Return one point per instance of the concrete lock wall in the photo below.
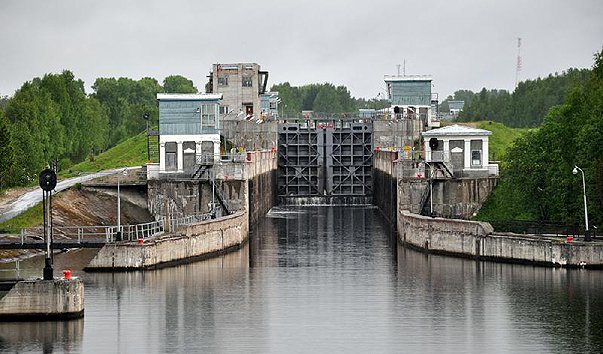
(460, 198)
(44, 299)
(188, 242)
(478, 240)
(452, 198)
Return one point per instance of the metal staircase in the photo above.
(219, 194)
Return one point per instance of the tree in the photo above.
(538, 173)
(178, 84)
(527, 106)
(36, 130)
(125, 101)
(6, 151)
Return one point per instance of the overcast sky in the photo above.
(462, 44)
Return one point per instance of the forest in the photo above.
(537, 181)
(51, 120)
(322, 98)
(525, 107)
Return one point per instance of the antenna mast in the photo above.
(518, 67)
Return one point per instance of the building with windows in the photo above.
(241, 85)
(455, 107)
(463, 150)
(269, 105)
(189, 131)
(411, 98)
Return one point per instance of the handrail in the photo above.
(107, 234)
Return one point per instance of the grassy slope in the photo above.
(501, 139)
(131, 152)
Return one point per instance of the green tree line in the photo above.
(323, 98)
(537, 181)
(51, 120)
(526, 107)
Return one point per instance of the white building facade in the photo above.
(462, 148)
(189, 131)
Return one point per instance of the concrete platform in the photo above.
(43, 300)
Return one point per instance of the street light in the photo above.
(586, 232)
(146, 117)
(118, 235)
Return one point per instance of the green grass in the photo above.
(31, 217)
(501, 139)
(131, 152)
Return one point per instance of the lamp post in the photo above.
(586, 231)
(146, 117)
(118, 235)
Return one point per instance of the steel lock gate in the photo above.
(331, 162)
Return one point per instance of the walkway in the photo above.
(34, 197)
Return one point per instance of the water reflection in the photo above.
(327, 279)
(41, 337)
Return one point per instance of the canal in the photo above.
(322, 280)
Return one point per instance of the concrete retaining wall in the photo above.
(451, 198)
(477, 240)
(191, 242)
(43, 300)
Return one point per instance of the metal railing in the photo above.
(100, 234)
(16, 270)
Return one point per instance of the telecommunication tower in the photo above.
(518, 67)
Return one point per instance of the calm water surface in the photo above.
(322, 280)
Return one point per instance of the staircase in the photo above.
(444, 167)
(219, 194)
(201, 172)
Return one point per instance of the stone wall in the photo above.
(451, 198)
(262, 195)
(251, 184)
(43, 300)
(187, 243)
(460, 197)
(477, 240)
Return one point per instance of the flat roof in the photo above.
(457, 130)
(189, 96)
(407, 78)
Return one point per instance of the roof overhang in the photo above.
(189, 96)
(456, 130)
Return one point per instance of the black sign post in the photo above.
(48, 180)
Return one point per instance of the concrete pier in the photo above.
(189, 243)
(478, 240)
(43, 300)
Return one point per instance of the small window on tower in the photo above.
(222, 80)
(247, 82)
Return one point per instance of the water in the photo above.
(322, 280)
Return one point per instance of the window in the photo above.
(273, 105)
(171, 157)
(476, 158)
(224, 110)
(222, 80)
(208, 115)
(247, 82)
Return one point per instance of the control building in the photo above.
(411, 98)
(241, 86)
(189, 131)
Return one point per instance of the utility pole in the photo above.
(518, 66)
